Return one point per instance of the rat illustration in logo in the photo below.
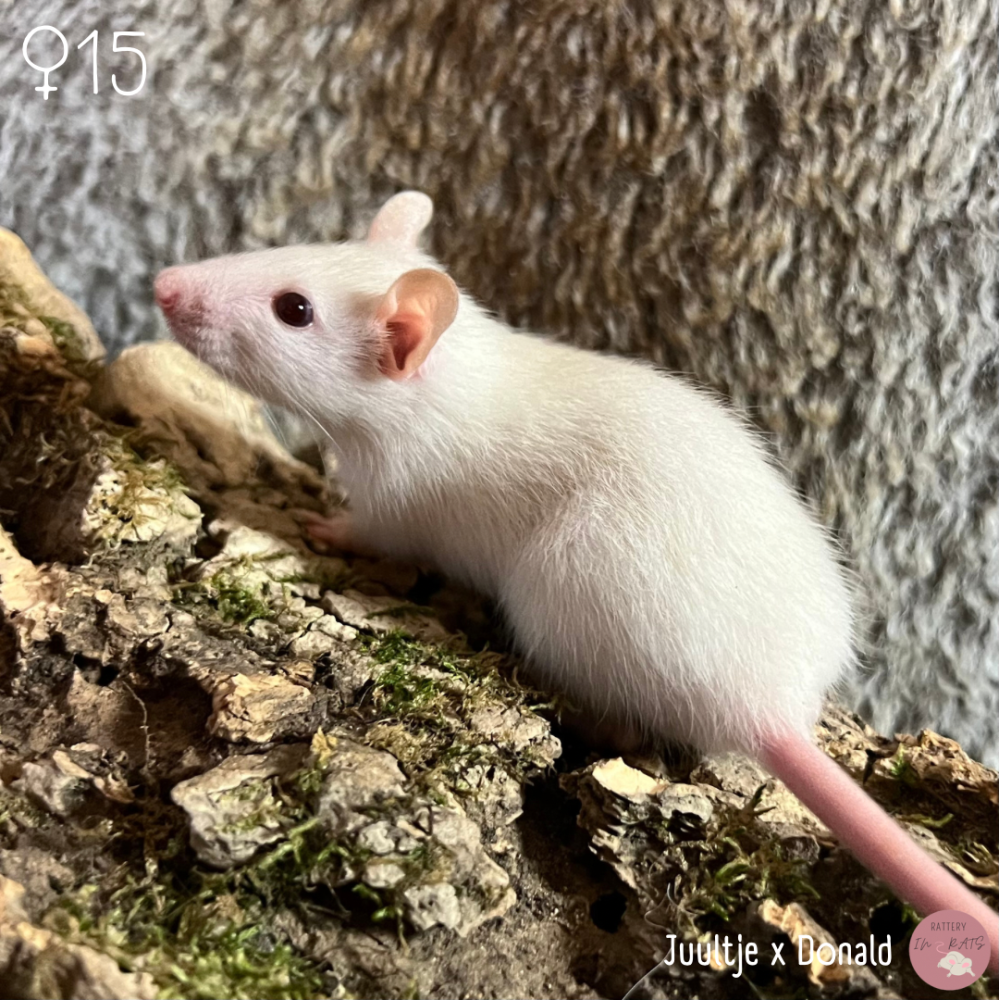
(950, 949)
(955, 963)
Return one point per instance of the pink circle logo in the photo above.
(949, 950)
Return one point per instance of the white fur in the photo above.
(649, 559)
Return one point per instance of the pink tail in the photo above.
(872, 835)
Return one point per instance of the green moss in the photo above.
(233, 594)
(66, 338)
(16, 812)
(194, 947)
(930, 822)
(16, 309)
(253, 587)
(475, 673)
(196, 933)
(140, 474)
(903, 772)
(423, 700)
(402, 692)
(201, 933)
(725, 887)
(235, 602)
(973, 855)
(736, 868)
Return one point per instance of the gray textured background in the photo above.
(796, 202)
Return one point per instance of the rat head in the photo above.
(316, 327)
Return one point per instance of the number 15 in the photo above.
(122, 48)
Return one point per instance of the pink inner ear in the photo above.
(404, 340)
(415, 311)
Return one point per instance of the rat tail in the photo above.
(874, 838)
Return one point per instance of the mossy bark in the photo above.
(231, 765)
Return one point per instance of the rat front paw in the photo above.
(336, 531)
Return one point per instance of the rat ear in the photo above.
(413, 314)
(402, 218)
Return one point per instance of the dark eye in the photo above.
(293, 309)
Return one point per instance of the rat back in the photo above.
(688, 569)
(650, 561)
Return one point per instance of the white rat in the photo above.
(648, 558)
(956, 964)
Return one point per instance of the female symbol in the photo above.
(45, 89)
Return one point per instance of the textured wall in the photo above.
(796, 202)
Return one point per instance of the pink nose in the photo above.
(168, 289)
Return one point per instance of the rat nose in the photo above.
(168, 288)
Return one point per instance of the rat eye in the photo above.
(293, 309)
